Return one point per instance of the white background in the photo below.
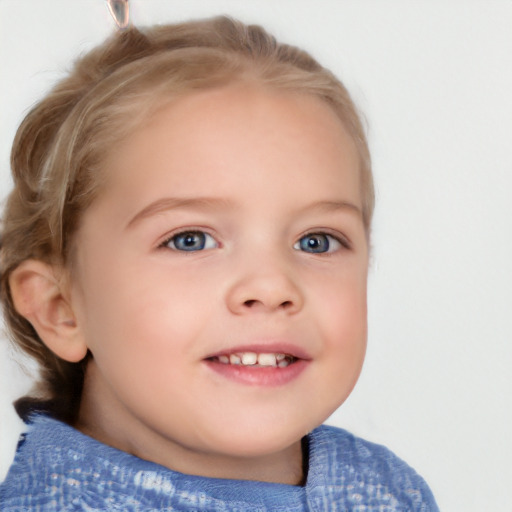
(434, 79)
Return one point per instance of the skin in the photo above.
(272, 165)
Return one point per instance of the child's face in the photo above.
(230, 225)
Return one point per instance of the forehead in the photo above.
(238, 135)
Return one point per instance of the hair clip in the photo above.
(120, 11)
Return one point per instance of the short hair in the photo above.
(60, 146)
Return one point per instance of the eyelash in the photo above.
(191, 233)
(206, 242)
(339, 241)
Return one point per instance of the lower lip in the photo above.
(259, 376)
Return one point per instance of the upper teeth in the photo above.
(252, 359)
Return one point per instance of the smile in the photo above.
(260, 365)
(256, 360)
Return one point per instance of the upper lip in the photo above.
(265, 348)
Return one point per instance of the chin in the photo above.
(247, 449)
(258, 440)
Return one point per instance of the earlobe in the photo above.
(38, 296)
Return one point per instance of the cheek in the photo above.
(154, 312)
(342, 317)
(339, 319)
(342, 302)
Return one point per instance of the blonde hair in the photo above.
(61, 144)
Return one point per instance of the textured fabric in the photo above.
(59, 469)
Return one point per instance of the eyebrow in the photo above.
(333, 206)
(173, 203)
(214, 203)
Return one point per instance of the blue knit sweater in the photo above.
(57, 468)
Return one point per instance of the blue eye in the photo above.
(190, 241)
(317, 243)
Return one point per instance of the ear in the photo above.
(39, 295)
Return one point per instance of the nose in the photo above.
(264, 289)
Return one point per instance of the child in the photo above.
(185, 253)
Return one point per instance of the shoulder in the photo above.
(35, 478)
(56, 467)
(366, 472)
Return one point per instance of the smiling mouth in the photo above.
(255, 360)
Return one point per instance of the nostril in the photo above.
(252, 302)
